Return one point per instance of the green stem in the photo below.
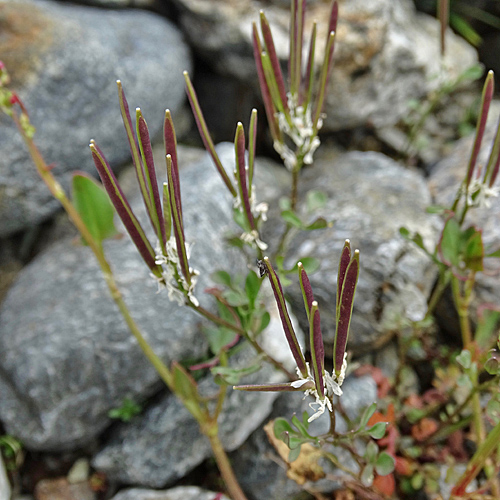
(209, 429)
(232, 485)
(437, 293)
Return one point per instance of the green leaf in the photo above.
(218, 338)
(474, 250)
(231, 376)
(417, 481)
(294, 454)
(493, 409)
(377, 431)
(371, 452)
(415, 414)
(186, 390)
(464, 359)
(264, 322)
(221, 277)
(240, 219)
(235, 298)
(94, 206)
(492, 366)
(384, 464)
(450, 242)
(252, 286)
(436, 209)
(367, 414)
(292, 219)
(128, 410)
(301, 427)
(487, 324)
(315, 200)
(282, 427)
(319, 223)
(367, 475)
(414, 237)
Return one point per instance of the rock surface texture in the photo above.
(64, 61)
(384, 51)
(179, 493)
(370, 197)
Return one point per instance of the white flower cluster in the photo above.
(301, 131)
(479, 194)
(332, 387)
(171, 269)
(252, 238)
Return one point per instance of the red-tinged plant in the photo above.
(314, 380)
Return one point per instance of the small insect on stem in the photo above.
(262, 268)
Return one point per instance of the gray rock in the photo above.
(369, 198)
(71, 57)
(385, 52)
(67, 356)
(165, 443)
(179, 493)
(5, 490)
(260, 470)
(444, 182)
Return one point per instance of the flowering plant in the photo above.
(316, 381)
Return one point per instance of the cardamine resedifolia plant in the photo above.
(295, 119)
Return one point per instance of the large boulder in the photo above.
(178, 493)
(67, 355)
(64, 61)
(385, 53)
(369, 197)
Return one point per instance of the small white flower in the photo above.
(252, 238)
(170, 269)
(482, 194)
(319, 404)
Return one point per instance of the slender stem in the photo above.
(295, 183)
(332, 422)
(221, 322)
(442, 284)
(282, 242)
(462, 306)
(233, 487)
(335, 461)
(223, 390)
(210, 429)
